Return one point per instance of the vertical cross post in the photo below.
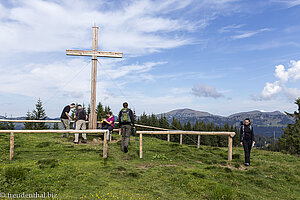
(93, 119)
(198, 144)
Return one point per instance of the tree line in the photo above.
(289, 142)
(39, 113)
(7, 125)
(162, 122)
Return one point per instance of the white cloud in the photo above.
(201, 90)
(246, 34)
(116, 71)
(70, 79)
(292, 74)
(43, 26)
(294, 71)
(288, 3)
(270, 90)
(136, 27)
(281, 73)
(229, 28)
(292, 93)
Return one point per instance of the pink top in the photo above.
(111, 119)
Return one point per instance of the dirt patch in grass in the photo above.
(240, 167)
(97, 141)
(169, 165)
(144, 166)
(148, 166)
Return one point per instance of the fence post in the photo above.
(141, 145)
(168, 137)
(229, 148)
(105, 145)
(180, 139)
(198, 144)
(12, 145)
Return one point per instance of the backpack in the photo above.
(243, 128)
(81, 114)
(125, 115)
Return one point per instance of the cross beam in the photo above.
(94, 54)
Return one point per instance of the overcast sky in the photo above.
(219, 56)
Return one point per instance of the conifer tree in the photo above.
(88, 112)
(290, 140)
(7, 125)
(39, 114)
(55, 126)
(100, 111)
(28, 125)
(144, 119)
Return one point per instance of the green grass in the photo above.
(48, 163)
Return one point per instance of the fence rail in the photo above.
(12, 137)
(229, 134)
(58, 121)
(105, 146)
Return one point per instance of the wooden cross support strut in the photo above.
(94, 54)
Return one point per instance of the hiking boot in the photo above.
(75, 142)
(83, 141)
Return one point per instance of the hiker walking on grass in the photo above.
(109, 123)
(65, 118)
(126, 122)
(80, 117)
(247, 139)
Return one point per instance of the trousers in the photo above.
(247, 148)
(80, 125)
(126, 131)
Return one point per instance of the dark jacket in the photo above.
(80, 114)
(246, 133)
(131, 118)
(65, 110)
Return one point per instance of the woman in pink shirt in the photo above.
(109, 123)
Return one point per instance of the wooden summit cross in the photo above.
(94, 54)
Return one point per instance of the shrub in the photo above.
(15, 172)
(45, 163)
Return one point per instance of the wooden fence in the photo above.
(105, 146)
(229, 134)
(58, 121)
(12, 137)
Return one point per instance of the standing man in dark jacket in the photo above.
(65, 118)
(126, 122)
(247, 139)
(80, 117)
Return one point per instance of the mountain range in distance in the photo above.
(264, 123)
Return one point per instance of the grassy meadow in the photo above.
(49, 163)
